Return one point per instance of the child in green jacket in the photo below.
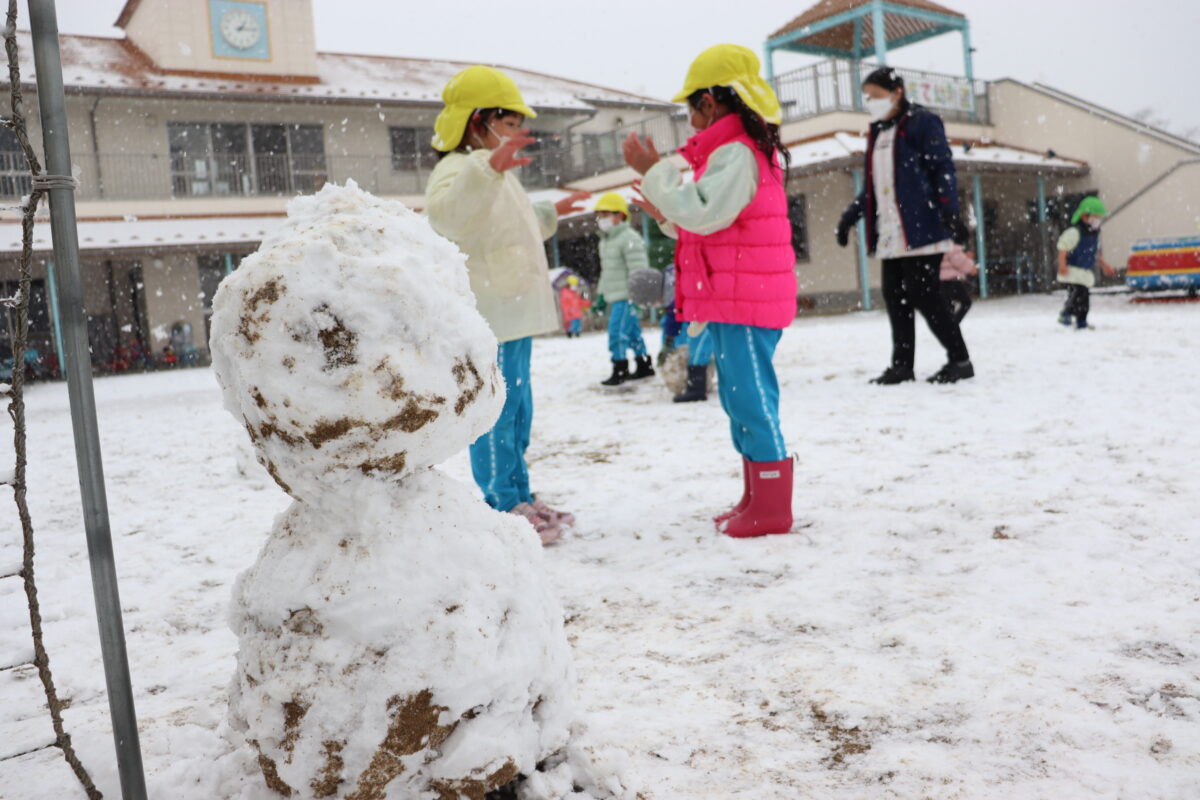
(621, 252)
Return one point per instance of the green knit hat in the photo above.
(1091, 206)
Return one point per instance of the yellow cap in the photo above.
(473, 88)
(736, 67)
(572, 280)
(612, 202)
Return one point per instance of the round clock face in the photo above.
(240, 29)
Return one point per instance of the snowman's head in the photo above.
(350, 344)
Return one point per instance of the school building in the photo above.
(190, 133)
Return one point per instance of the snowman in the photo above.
(396, 636)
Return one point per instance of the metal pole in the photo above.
(980, 245)
(52, 296)
(969, 66)
(554, 250)
(864, 277)
(228, 263)
(48, 65)
(769, 52)
(880, 34)
(1043, 234)
(968, 60)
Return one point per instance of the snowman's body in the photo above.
(397, 638)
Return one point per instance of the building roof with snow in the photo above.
(116, 66)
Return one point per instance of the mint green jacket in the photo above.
(621, 252)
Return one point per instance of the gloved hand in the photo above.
(843, 233)
(957, 230)
(600, 304)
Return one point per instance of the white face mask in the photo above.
(502, 137)
(605, 224)
(879, 107)
(1094, 223)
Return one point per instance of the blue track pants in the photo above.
(624, 332)
(749, 389)
(498, 457)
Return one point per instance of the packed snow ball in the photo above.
(402, 644)
(350, 344)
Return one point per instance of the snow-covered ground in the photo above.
(993, 590)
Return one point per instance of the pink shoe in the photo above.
(546, 530)
(559, 518)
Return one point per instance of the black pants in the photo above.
(1079, 301)
(958, 295)
(914, 284)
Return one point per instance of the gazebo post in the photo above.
(969, 65)
(55, 318)
(880, 33)
(769, 62)
(1042, 232)
(856, 65)
(864, 277)
(980, 240)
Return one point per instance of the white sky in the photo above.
(1120, 54)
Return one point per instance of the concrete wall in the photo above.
(176, 34)
(1124, 157)
(1171, 208)
(830, 269)
(172, 294)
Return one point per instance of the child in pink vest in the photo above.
(735, 266)
(957, 266)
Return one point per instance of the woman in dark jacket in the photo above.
(910, 205)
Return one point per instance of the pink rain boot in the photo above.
(770, 507)
(741, 504)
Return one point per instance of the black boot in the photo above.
(620, 373)
(697, 385)
(952, 373)
(893, 375)
(645, 369)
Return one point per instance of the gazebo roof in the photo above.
(830, 27)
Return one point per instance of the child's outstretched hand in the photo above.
(641, 202)
(571, 203)
(640, 155)
(505, 156)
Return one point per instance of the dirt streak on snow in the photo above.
(992, 592)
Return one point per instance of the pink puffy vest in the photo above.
(744, 274)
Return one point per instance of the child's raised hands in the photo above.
(571, 203)
(640, 155)
(505, 156)
(641, 202)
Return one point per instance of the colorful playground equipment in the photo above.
(1158, 265)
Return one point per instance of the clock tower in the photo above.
(272, 38)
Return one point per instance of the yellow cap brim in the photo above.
(757, 94)
(524, 110)
(451, 124)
